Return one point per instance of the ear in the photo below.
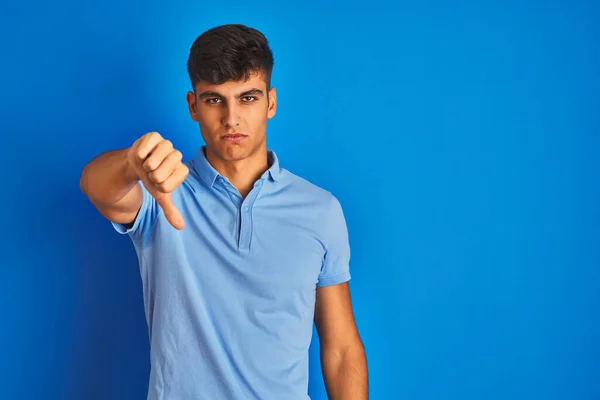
(192, 106)
(272, 102)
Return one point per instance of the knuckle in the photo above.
(164, 187)
(150, 164)
(155, 176)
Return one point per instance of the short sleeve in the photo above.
(336, 262)
(145, 218)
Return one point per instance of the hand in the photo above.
(159, 166)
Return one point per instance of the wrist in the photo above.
(130, 174)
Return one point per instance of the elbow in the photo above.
(356, 350)
(83, 181)
(353, 349)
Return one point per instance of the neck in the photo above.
(241, 173)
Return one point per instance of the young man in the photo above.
(238, 256)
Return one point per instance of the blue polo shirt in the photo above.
(229, 300)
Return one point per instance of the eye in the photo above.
(213, 100)
(248, 99)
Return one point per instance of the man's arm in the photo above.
(343, 357)
(111, 185)
(111, 180)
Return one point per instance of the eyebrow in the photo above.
(251, 92)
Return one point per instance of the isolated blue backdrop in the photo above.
(462, 141)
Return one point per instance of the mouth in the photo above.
(235, 137)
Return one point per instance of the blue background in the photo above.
(462, 141)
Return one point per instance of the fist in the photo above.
(159, 167)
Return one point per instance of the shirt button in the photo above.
(246, 208)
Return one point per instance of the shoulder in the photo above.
(316, 200)
(305, 189)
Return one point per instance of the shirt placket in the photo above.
(244, 208)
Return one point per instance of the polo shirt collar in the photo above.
(209, 174)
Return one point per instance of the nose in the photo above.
(230, 116)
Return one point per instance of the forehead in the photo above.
(255, 81)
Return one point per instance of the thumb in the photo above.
(171, 212)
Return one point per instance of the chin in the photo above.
(234, 152)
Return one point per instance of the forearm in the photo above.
(108, 178)
(345, 374)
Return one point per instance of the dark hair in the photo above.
(229, 52)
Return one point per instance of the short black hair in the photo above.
(229, 52)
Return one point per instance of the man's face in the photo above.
(233, 116)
